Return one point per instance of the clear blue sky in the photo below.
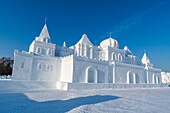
(139, 24)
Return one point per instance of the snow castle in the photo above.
(83, 65)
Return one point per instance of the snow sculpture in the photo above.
(82, 63)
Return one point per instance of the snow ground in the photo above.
(114, 101)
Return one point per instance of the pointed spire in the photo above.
(85, 40)
(145, 59)
(44, 32)
(64, 44)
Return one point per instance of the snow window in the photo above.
(114, 56)
(46, 40)
(47, 67)
(38, 50)
(39, 66)
(119, 57)
(22, 65)
(49, 52)
(43, 51)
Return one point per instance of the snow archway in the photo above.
(155, 79)
(131, 78)
(91, 75)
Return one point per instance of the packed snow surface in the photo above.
(116, 101)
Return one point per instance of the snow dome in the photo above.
(110, 42)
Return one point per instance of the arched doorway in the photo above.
(155, 79)
(131, 78)
(91, 74)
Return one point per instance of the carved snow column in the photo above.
(80, 50)
(85, 50)
(74, 50)
(91, 52)
(134, 60)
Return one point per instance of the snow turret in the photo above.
(145, 60)
(44, 35)
(42, 45)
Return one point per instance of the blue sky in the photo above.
(139, 24)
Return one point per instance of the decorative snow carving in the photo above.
(44, 35)
(106, 63)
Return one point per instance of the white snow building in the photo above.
(82, 63)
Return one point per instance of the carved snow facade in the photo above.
(82, 63)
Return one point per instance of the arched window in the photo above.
(47, 67)
(22, 65)
(114, 56)
(43, 51)
(39, 66)
(38, 50)
(119, 57)
(50, 52)
(44, 39)
(91, 75)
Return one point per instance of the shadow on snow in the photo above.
(18, 102)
